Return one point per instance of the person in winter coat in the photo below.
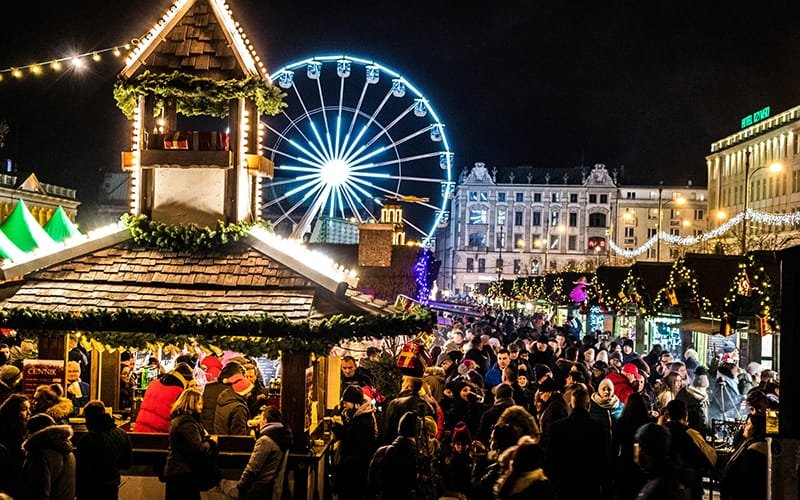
(101, 453)
(466, 406)
(262, 478)
(77, 389)
(457, 467)
(160, 396)
(523, 423)
(627, 474)
(10, 377)
(357, 436)
(434, 377)
(654, 459)
(48, 399)
(623, 382)
(725, 398)
(393, 470)
(578, 432)
(606, 408)
(503, 399)
(409, 399)
(14, 414)
(49, 467)
(232, 413)
(745, 475)
(525, 478)
(551, 408)
(690, 448)
(212, 390)
(191, 449)
(697, 402)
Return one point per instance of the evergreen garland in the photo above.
(185, 237)
(253, 335)
(196, 95)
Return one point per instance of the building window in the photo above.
(554, 240)
(484, 196)
(537, 197)
(501, 197)
(481, 265)
(537, 219)
(498, 265)
(651, 231)
(651, 253)
(573, 219)
(519, 241)
(555, 197)
(519, 197)
(596, 242)
(518, 218)
(536, 241)
(470, 265)
(554, 216)
(477, 239)
(652, 213)
(597, 220)
(629, 232)
(517, 266)
(535, 267)
(592, 198)
(501, 240)
(675, 231)
(478, 216)
(631, 195)
(473, 196)
(603, 198)
(572, 242)
(501, 217)
(573, 197)
(699, 214)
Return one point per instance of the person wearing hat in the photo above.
(212, 366)
(624, 381)
(628, 354)
(264, 473)
(161, 394)
(409, 399)
(393, 469)
(232, 414)
(550, 406)
(10, 377)
(356, 433)
(615, 361)
(542, 352)
(456, 467)
(49, 467)
(212, 390)
(101, 453)
(599, 372)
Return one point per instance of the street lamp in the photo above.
(680, 200)
(499, 263)
(775, 167)
(521, 247)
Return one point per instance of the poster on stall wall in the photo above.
(36, 372)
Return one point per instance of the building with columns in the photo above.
(758, 168)
(42, 199)
(523, 221)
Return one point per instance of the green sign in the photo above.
(761, 114)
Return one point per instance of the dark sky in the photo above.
(648, 85)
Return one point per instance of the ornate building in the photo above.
(42, 199)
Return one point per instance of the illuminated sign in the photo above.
(756, 117)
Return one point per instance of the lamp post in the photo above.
(775, 167)
(499, 263)
(680, 200)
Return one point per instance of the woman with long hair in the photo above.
(191, 450)
(628, 475)
(14, 414)
(745, 473)
(670, 387)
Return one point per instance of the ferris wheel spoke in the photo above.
(305, 221)
(352, 206)
(311, 122)
(392, 162)
(339, 117)
(314, 164)
(383, 131)
(349, 190)
(362, 159)
(325, 118)
(317, 157)
(293, 191)
(369, 122)
(293, 123)
(316, 191)
(355, 115)
(289, 181)
(420, 231)
(382, 189)
(398, 177)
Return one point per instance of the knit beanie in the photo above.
(213, 367)
(353, 394)
(39, 422)
(461, 434)
(540, 370)
(240, 385)
(408, 425)
(10, 375)
(700, 381)
(606, 382)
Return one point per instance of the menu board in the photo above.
(36, 372)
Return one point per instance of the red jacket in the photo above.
(154, 413)
(622, 388)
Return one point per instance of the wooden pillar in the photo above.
(170, 113)
(293, 396)
(789, 344)
(108, 378)
(52, 346)
(232, 183)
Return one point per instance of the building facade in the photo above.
(759, 167)
(42, 199)
(527, 222)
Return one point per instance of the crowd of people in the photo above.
(515, 407)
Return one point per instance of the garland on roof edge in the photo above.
(253, 335)
(196, 95)
(185, 237)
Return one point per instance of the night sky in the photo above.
(647, 85)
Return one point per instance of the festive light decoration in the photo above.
(422, 271)
(55, 65)
(751, 215)
(184, 237)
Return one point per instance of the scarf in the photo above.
(609, 403)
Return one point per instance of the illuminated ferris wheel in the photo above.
(355, 136)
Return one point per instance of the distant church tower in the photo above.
(393, 214)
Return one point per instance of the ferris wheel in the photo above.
(355, 136)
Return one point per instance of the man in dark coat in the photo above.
(477, 355)
(49, 467)
(357, 436)
(393, 469)
(570, 437)
(232, 413)
(553, 408)
(102, 453)
(408, 400)
(212, 390)
(502, 400)
(697, 456)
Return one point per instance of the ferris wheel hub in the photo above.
(335, 172)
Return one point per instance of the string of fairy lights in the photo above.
(74, 62)
(750, 214)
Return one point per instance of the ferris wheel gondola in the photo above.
(354, 136)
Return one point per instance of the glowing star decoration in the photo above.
(578, 294)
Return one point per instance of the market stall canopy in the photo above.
(8, 250)
(23, 230)
(612, 277)
(653, 277)
(60, 227)
(714, 273)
